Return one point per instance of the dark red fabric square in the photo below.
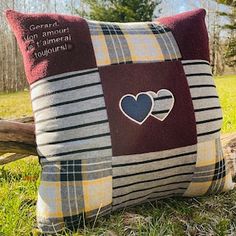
(190, 32)
(128, 137)
(52, 44)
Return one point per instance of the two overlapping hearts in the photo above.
(139, 107)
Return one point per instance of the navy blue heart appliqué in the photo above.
(137, 108)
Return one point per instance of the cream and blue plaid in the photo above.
(123, 43)
(73, 190)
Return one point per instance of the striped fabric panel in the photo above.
(84, 133)
(145, 196)
(139, 177)
(70, 110)
(67, 190)
(175, 193)
(206, 104)
(46, 92)
(122, 43)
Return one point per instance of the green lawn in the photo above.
(226, 86)
(214, 215)
(15, 105)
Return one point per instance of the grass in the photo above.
(18, 187)
(226, 86)
(15, 105)
(212, 215)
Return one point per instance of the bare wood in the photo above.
(11, 131)
(16, 137)
(11, 157)
(28, 119)
(17, 147)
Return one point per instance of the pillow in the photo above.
(125, 113)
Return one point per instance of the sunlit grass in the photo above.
(226, 87)
(18, 187)
(14, 105)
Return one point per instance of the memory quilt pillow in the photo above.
(125, 113)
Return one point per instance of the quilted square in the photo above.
(67, 191)
(125, 113)
(132, 42)
(142, 177)
(71, 110)
(125, 81)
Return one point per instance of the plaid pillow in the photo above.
(125, 113)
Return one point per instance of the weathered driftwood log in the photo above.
(18, 138)
(7, 158)
(28, 119)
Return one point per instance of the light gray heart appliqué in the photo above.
(163, 103)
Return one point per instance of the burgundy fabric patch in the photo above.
(52, 44)
(128, 137)
(190, 32)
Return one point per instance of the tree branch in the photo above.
(11, 157)
(17, 137)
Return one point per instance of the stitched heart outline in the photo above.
(135, 98)
(156, 95)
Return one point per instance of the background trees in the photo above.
(230, 45)
(120, 10)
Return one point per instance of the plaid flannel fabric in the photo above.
(117, 43)
(211, 174)
(74, 190)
